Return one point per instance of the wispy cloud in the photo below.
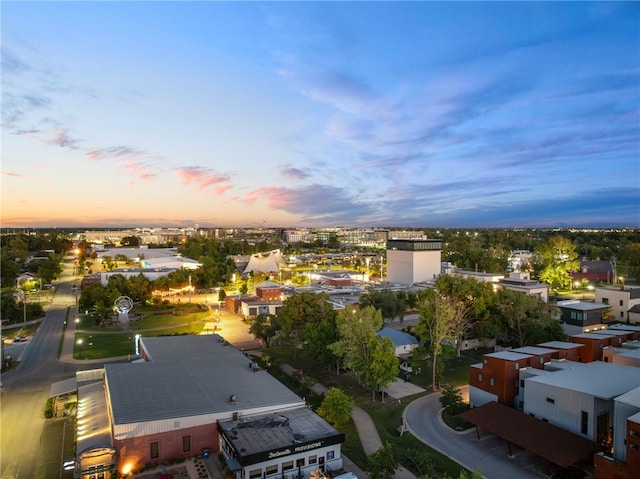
(292, 173)
(203, 179)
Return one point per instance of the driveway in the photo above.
(489, 455)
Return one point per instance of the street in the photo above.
(26, 389)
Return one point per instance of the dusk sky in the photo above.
(396, 114)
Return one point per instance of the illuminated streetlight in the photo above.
(79, 342)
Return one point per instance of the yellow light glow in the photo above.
(126, 469)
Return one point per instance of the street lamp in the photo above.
(80, 348)
(77, 322)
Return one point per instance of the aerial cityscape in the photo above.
(320, 240)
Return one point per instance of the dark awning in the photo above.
(550, 442)
(63, 387)
(233, 464)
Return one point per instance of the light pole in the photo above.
(80, 348)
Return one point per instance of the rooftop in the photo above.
(272, 431)
(508, 355)
(581, 305)
(190, 376)
(598, 379)
(560, 345)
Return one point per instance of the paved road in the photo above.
(26, 388)
(489, 455)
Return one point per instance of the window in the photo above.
(486, 361)
(492, 381)
(287, 466)
(186, 443)
(522, 383)
(313, 459)
(621, 303)
(622, 314)
(551, 400)
(154, 450)
(479, 377)
(584, 422)
(271, 469)
(330, 455)
(633, 433)
(255, 473)
(517, 366)
(300, 462)
(634, 447)
(605, 300)
(541, 360)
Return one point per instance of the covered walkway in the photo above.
(545, 440)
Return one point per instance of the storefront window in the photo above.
(272, 469)
(287, 466)
(255, 473)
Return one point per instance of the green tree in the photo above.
(390, 304)
(473, 297)
(371, 359)
(336, 407)
(451, 400)
(382, 463)
(557, 259)
(299, 310)
(265, 327)
(521, 320)
(439, 320)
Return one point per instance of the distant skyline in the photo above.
(397, 114)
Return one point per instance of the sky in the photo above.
(320, 114)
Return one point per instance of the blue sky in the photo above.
(424, 114)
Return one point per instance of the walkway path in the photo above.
(367, 432)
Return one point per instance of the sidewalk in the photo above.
(367, 432)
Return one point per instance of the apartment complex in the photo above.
(586, 387)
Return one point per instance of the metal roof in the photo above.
(541, 438)
(398, 338)
(631, 398)
(508, 355)
(597, 378)
(560, 345)
(63, 387)
(190, 376)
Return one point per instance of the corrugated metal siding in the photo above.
(565, 411)
(137, 429)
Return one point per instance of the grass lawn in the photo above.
(388, 415)
(168, 320)
(103, 345)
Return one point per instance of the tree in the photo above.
(371, 359)
(382, 463)
(265, 327)
(558, 257)
(451, 400)
(521, 320)
(320, 332)
(299, 310)
(439, 320)
(390, 303)
(336, 407)
(473, 297)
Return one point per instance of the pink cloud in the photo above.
(275, 197)
(13, 174)
(138, 170)
(203, 178)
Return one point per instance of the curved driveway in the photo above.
(489, 455)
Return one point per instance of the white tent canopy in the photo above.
(266, 262)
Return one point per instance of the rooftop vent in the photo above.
(232, 399)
